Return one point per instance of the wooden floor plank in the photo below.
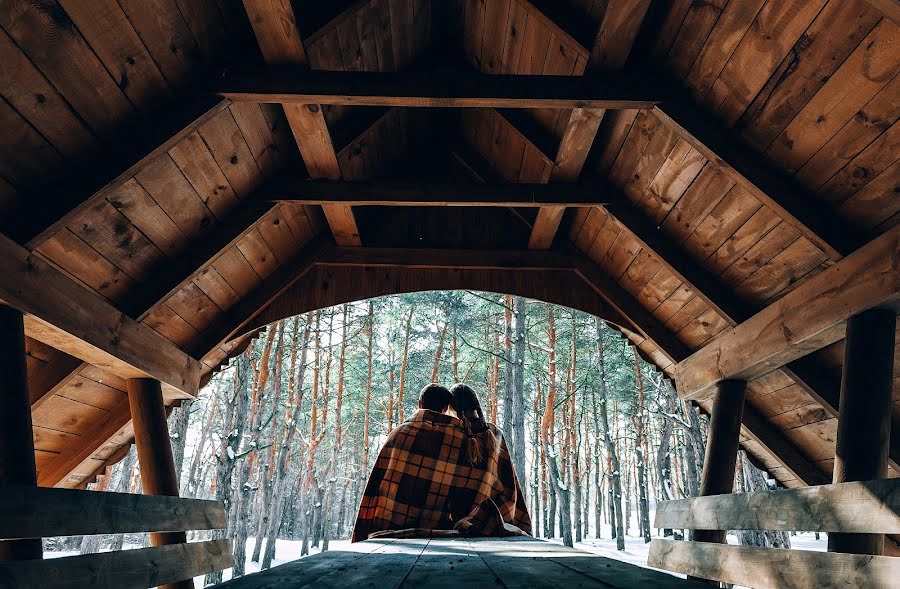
(459, 562)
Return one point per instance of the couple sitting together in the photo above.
(444, 472)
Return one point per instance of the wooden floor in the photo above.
(489, 562)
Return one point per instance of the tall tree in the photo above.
(608, 440)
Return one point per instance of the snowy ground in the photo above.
(635, 550)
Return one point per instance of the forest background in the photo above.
(286, 434)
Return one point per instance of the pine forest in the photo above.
(286, 433)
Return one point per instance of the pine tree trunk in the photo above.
(639, 441)
(293, 411)
(509, 368)
(401, 409)
(123, 485)
(615, 509)
(178, 433)
(518, 392)
(235, 423)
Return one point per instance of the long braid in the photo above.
(480, 440)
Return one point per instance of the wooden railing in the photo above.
(28, 512)
(862, 507)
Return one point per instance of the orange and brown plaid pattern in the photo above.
(422, 479)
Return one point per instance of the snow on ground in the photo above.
(635, 550)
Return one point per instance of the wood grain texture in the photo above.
(433, 89)
(808, 318)
(516, 563)
(772, 568)
(279, 40)
(125, 569)
(67, 316)
(870, 506)
(36, 513)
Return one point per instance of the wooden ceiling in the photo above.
(764, 151)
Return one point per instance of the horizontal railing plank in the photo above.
(28, 512)
(765, 568)
(858, 507)
(126, 569)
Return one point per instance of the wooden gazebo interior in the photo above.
(719, 180)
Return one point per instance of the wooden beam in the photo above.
(769, 568)
(433, 89)
(749, 169)
(722, 442)
(67, 316)
(154, 451)
(31, 226)
(125, 569)
(809, 317)
(864, 421)
(430, 194)
(16, 441)
(29, 512)
(55, 472)
(866, 506)
(279, 40)
(444, 258)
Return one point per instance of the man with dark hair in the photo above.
(435, 397)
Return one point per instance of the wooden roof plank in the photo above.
(71, 318)
(35, 225)
(760, 178)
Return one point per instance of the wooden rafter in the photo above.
(33, 226)
(279, 40)
(811, 316)
(187, 266)
(435, 89)
(65, 315)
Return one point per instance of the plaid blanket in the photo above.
(422, 479)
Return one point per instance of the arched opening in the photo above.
(286, 433)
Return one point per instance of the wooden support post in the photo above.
(864, 414)
(154, 450)
(721, 447)
(16, 441)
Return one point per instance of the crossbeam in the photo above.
(811, 316)
(431, 194)
(436, 89)
(62, 313)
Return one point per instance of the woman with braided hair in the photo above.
(486, 498)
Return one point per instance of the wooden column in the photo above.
(16, 437)
(864, 414)
(721, 447)
(154, 450)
